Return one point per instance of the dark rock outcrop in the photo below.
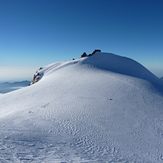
(36, 78)
(96, 50)
(83, 55)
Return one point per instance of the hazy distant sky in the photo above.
(35, 33)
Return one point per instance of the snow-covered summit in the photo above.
(96, 109)
(119, 64)
(105, 61)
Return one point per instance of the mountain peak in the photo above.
(120, 64)
(98, 104)
(104, 61)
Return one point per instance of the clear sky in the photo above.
(35, 33)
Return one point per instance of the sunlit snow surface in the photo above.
(99, 109)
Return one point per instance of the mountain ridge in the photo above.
(108, 62)
(81, 112)
(6, 87)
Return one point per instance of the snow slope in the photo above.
(103, 108)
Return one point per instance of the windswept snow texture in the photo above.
(99, 109)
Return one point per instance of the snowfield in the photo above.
(99, 109)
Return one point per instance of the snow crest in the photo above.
(108, 62)
(98, 109)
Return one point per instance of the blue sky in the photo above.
(35, 33)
